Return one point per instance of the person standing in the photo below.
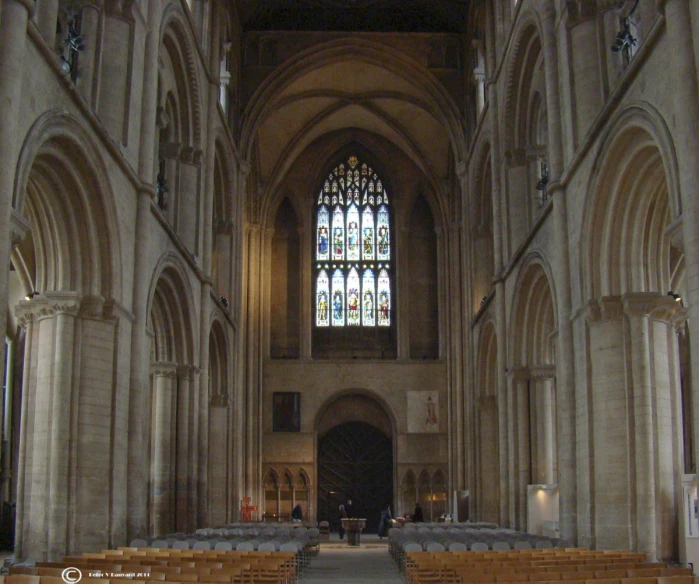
(297, 513)
(385, 522)
(348, 507)
(418, 517)
(341, 515)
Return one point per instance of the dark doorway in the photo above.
(355, 461)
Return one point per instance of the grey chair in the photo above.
(245, 546)
(457, 546)
(502, 546)
(160, 544)
(479, 546)
(202, 545)
(268, 546)
(523, 545)
(180, 545)
(224, 546)
(434, 546)
(544, 544)
(138, 543)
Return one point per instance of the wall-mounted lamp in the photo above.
(677, 297)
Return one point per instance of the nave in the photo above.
(337, 562)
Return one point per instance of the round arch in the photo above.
(635, 174)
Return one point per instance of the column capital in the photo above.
(64, 302)
(163, 369)
(521, 373)
(650, 304)
(542, 372)
(607, 308)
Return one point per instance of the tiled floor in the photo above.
(337, 562)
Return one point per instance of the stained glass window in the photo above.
(353, 244)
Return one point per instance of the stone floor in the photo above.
(337, 562)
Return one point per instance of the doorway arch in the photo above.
(355, 457)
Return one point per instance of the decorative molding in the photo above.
(611, 308)
(521, 373)
(64, 302)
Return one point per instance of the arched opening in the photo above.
(355, 462)
(355, 458)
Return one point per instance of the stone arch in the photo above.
(408, 485)
(218, 356)
(524, 53)
(381, 413)
(534, 314)
(171, 311)
(177, 42)
(633, 196)
(440, 104)
(62, 186)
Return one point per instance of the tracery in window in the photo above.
(353, 243)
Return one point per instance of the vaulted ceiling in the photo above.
(448, 16)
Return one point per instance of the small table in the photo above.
(353, 527)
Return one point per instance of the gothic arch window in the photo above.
(353, 249)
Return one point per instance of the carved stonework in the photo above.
(92, 307)
(519, 373)
(161, 369)
(611, 308)
(64, 302)
(192, 156)
(656, 306)
(542, 372)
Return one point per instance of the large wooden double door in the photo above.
(355, 461)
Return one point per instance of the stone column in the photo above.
(138, 475)
(565, 374)
(403, 325)
(13, 36)
(202, 478)
(457, 351)
(499, 304)
(518, 414)
(182, 448)
(164, 378)
(685, 96)
(542, 380)
(65, 307)
(608, 426)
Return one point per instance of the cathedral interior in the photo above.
(300, 251)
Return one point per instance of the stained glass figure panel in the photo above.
(352, 233)
(368, 299)
(338, 234)
(322, 299)
(323, 234)
(338, 300)
(353, 305)
(383, 243)
(368, 234)
(384, 292)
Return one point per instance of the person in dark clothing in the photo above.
(297, 513)
(348, 507)
(417, 517)
(385, 522)
(341, 515)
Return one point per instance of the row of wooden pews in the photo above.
(162, 566)
(551, 566)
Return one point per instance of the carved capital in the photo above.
(518, 373)
(651, 305)
(64, 302)
(163, 369)
(542, 372)
(92, 307)
(192, 156)
(611, 308)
